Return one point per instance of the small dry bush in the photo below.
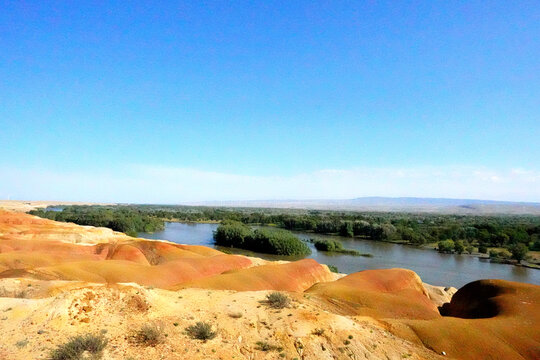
(266, 346)
(149, 335)
(22, 343)
(201, 331)
(78, 346)
(278, 300)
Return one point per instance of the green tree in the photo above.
(232, 233)
(446, 246)
(346, 229)
(459, 247)
(389, 231)
(519, 251)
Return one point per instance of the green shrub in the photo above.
(335, 246)
(519, 251)
(446, 246)
(499, 254)
(277, 241)
(270, 241)
(278, 300)
(328, 245)
(76, 346)
(149, 335)
(201, 331)
(232, 233)
(459, 247)
(266, 346)
(21, 343)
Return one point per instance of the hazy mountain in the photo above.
(400, 204)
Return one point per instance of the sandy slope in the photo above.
(82, 308)
(25, 206)
(58, 280)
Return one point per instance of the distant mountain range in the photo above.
(390, 204)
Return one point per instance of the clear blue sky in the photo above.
(254, 90)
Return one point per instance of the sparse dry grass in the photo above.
(201, 331)
(266, 346)
(149, 335)
(78, 345)
(278, 300)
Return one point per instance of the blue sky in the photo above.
(222, 100)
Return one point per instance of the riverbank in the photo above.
(433, 267)
(532, 263)
(402, 229)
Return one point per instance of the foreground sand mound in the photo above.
(391, 293)
(240, 319)
(295, 276)
(487, 319)
(122, 271)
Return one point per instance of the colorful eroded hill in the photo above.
(60, 279)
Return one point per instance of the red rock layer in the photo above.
(390, 293)
(45, 249)
(295, 276)
(486, 319)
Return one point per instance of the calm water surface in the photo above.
(433, 268)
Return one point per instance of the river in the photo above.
(433, 267)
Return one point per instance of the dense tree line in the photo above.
(271, 241)
(128, 220)
(481, 232)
